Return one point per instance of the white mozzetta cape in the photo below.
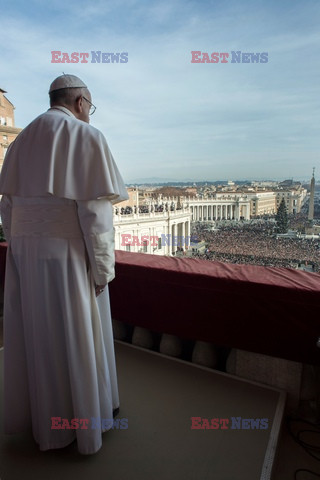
(89, 173)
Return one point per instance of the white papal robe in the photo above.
(58, 342)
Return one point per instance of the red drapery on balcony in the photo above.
(274, 311)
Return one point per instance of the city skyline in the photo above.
(220, 181)
(165, 117)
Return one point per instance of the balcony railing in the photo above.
(271, 311)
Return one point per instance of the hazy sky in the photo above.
(162, 115)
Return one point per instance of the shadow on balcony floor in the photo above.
(159, 396)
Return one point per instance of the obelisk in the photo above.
(311, 201)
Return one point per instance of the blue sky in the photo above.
(163, 116)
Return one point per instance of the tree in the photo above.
(282, 218)
(2, 238)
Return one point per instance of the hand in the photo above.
(99, 289)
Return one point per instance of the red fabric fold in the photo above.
(261, 309)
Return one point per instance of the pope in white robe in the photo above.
(58, 182)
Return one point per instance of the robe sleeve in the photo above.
(96, 221)
(5, 208)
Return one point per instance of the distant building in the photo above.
(287, 183)
(132, 200)
(265, 184)
(262, 203)
(293, 197)
(245, 203)
(163, 232)
(8, 132)
(192, 191)
(220, 206)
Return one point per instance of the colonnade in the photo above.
(220, 211)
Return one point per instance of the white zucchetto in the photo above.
(66, 81)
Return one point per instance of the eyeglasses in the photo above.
(92, 107)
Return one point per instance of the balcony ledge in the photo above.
(271, 311)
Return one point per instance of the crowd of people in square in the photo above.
(255, 242)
